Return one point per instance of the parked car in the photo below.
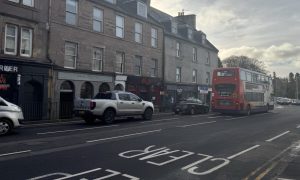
(191, 106)
(296, 102)
(10, 115)
(106, 106)
(284, 101)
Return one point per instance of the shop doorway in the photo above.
(119, 87)
(32, 103)
(66, 102)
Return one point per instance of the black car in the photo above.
(191, 106)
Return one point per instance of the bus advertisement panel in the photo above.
(237, 90)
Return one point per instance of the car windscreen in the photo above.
(225, 90)
(109, 96)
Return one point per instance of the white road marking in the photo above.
(215, 117)
(159, 120)
(74, 130)
(242, 152)
(230, 119)
(201, 115)
(79, 174)
(188, 125)
(128, 135)
(13, 153)
(276, 137)
(298, 126)
(284, 179)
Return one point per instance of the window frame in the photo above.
(73, 13)
(208, 79)
(178, 75)
(195, 54)
(30, 5)
(154, 71)
(178, 49)
(138, 64)
(122, 63)
(154, 37)
(100, 21)
(194, 76)
(16, 39)
(120, 27)
(144, 13)
(208, 58)
(30, 42)
(101, 60)
(76, 54)
(138, 34)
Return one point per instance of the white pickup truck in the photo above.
(106, 106)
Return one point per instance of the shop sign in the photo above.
(9, 69)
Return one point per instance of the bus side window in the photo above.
(243, 75)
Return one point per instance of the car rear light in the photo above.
(92, 105)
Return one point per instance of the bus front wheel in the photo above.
(248, 110)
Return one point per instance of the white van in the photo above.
(10, 115)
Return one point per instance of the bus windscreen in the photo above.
(225, 73)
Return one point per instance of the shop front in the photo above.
(26, 85)
(71, 85)
(174, 93)
(147, 88)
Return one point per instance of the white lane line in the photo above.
(298, 127)
(74, 130)
(128, 135)
(242, 152)
(188, 125)
(201, 115)
(215, 117)
(230, 119)
(14, 153)
(159, 120)
(276, 137)
(79, 174)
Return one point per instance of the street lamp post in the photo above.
(297, 94)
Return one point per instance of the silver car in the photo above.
(10, 115)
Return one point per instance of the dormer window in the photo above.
(190, 34)
(111, 1)
(142, 9)
(174, 28)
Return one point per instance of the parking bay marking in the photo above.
(74, 130)
(14, 153)
(128, 135)
(276, 137)
(197, 124)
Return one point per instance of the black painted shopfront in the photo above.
(26, 85)
(145, 87)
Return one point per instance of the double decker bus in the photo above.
(242, 91)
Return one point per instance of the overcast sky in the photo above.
(268, 30)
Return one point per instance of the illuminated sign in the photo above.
(3, 82)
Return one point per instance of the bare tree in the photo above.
(245, 62)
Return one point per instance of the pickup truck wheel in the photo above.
(148, 114)
(89, 120)
(109, 116)
(5, 127)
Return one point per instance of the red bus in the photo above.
(237, 90)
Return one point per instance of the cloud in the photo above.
(283, 59)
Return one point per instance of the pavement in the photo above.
(209, 146)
